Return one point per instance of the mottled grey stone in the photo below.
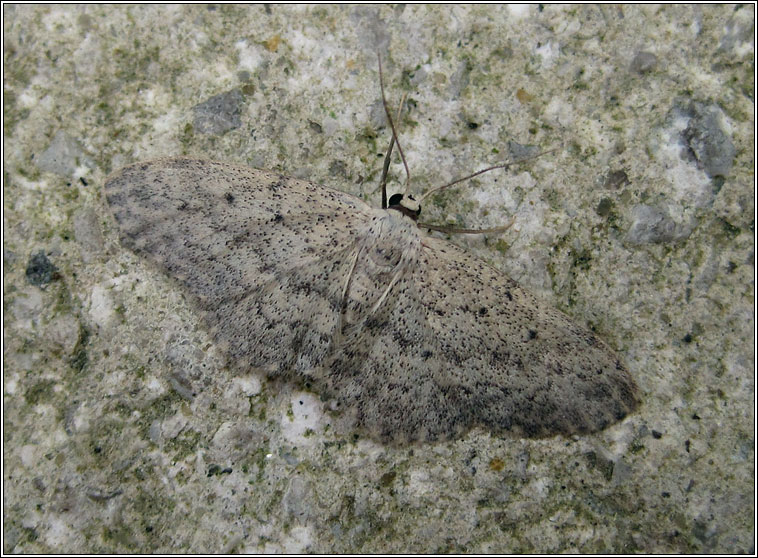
(63, 156)
(298, 499)
(63, 332)
(40, 270)
(622, 472)
(219, 114)
(518, 151)
(88, 234)
(650, 225)
(459, 80)
(235, 440)
(708, 139)
(644, 62)
(125, 92)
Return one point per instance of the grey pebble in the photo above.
(40, 271)
(88, 234)
(219, 114)
(63, 156)
(650, 225)
(298, 499)
(644, 62)
(707, 137)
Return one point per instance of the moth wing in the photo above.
(462, 345)
(265, 256)
(454, 343)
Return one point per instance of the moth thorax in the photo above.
(407, 205)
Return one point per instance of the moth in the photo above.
(409, 336)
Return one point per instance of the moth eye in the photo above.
(395, 199)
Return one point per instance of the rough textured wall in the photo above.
(124, 431)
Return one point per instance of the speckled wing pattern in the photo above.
(414, 339)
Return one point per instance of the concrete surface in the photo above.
(123, 431)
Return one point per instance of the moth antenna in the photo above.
(392, 125)
(455, 230)
(504, 166)
(387, 158)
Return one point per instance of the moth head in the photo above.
(407, 205)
